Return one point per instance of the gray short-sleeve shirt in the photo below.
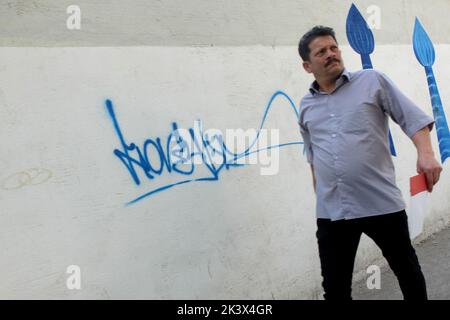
(345, 136)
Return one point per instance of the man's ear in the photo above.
(307, 66)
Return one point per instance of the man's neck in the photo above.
(328, 84)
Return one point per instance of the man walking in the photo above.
(344, 124)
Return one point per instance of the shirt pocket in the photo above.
(357, 120)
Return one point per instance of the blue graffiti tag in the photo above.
(176, 155)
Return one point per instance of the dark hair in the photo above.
(317, 31)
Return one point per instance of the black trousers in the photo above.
(338, 242)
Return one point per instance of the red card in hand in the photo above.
(418, 184)
(418, 204)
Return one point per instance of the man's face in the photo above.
(325, 59)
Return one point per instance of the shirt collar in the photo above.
(344, 77)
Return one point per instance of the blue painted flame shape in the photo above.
(424, 51)
(361, 40)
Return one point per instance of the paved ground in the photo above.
(434, 257)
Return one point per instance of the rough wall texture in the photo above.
(202, 22)
(63, 192)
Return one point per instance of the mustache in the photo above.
(331, 61)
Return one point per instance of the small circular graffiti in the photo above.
(29, 177)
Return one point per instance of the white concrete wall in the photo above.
(246, 235)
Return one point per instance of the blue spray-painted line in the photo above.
(274, 147)
(201, 143)
(266, 111)
(205, 178)
(157, 190)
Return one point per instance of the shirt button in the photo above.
(334, 135)
(340, 180)
(332, 115)
(335, 157)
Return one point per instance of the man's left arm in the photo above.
(415, 123)
(426, 161)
